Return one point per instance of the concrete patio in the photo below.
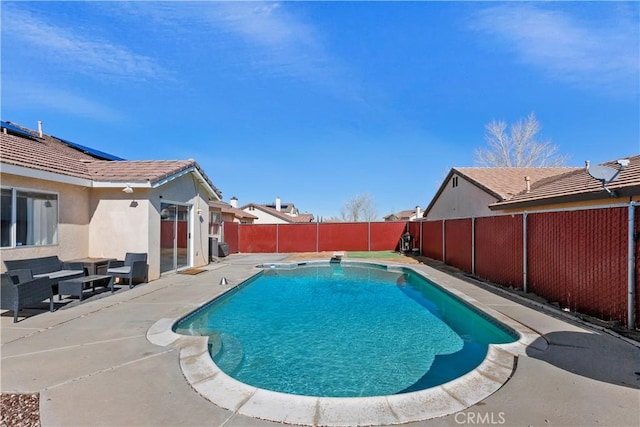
(93, 365)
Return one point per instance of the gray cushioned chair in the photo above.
(19, 289)
(133, 266)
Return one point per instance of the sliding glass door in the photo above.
(175, 238)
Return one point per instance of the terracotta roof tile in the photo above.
(406, 214)
(52, 155)
(578, 183)
(304, 217)
(137, 170)
(44, 154)
(227, 208)
(504, 183)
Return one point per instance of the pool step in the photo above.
(230, 355)
(215, 343)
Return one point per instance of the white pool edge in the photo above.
(209, 381)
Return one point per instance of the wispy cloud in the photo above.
(267, 39)
(599, 52)
(278, 42)
(83, 53)
(35, 96)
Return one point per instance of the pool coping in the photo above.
(213, 384)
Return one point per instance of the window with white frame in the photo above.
(29, 218)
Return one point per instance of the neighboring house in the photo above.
(64, 199)
(578, 189)
(275, 213)
(468, 192)
(476, 192)
(230, 214)
(408, 215)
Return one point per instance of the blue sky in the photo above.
(318, 102)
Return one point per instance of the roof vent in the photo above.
(40, 134)
(527, 180)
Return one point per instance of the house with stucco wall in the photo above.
(468, 192)
(274, 213)
(64, 199)
(478, 192)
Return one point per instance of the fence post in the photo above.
(369, 236)
(631, 318)
(317, 237)
(277, 239)
(444, 247)
(421, 225)
(473, 245)
(524, 252)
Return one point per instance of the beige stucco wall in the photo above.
(106, 222)
(264, 218)
(124, 222)
(119, 223)
(186, 191)
(73, 220)
(464, 201)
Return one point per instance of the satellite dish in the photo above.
(606, 174)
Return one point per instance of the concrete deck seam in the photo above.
(72, 346)
(454, 397)
(390, 408)
(111, 368)
(316, 415)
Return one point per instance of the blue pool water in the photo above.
(343, 331)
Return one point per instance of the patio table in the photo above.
(76, 286)
(94, 265)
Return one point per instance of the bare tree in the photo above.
(360, 208)
(519, 148)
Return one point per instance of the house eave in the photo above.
(164, 180)
(624, 192)
(44, 175)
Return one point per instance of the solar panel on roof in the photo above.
(91, 151)
(16, 130)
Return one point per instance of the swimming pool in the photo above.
(207, 379)
(343, 331)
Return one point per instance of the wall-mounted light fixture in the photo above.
(127, 189)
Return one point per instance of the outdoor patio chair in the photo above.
(19, 289)
(134, 265)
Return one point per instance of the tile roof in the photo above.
(578, 185)
(227, 208)
(504, 183)
(406, 214)
(303, 217)
(45, 155)
(52, 155)
(501, 183)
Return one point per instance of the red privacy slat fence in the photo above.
(457, 243)
(576, 258)
(314, 237)
(432, 239)
(499, 238)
